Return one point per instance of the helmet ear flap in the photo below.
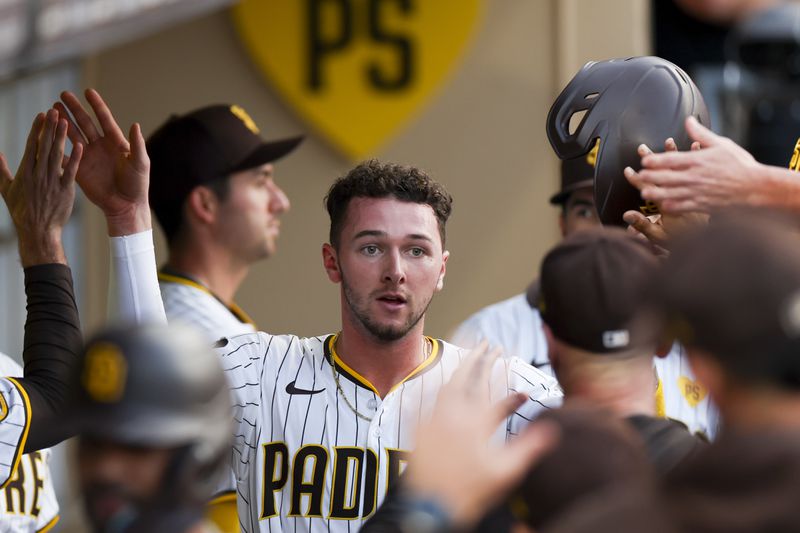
(194, 475)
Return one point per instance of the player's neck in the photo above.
(217, 270)
(384, 364)
(627, 395)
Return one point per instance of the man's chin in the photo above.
(388, 331)
(109, 512)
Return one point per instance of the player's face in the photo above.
(579, 212)
(390, 262)
(249, 218)
(117, 480)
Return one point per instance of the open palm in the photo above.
(115, 171)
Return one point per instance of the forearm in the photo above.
(52, 345)
(134, 290)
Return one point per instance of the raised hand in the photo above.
(659, 229)
(40, 196)
(454, 463)
(722, 173)
(115, 171)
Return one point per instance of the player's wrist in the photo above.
(41, 248)
(134, 220)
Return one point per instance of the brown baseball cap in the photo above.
(733, 290)
(593, 291)
(576, 173)
(202, 146)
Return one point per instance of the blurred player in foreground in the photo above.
(153, 411)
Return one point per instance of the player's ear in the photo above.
(330, 261)
(202, 204)
(443, 271)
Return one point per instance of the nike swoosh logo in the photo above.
(291, 389)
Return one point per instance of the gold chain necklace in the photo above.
(426, 351)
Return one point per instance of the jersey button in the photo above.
(372, 404)
(376, 433)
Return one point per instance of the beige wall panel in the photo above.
(482, 135)
(590, 30)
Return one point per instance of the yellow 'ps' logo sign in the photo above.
(357, 70)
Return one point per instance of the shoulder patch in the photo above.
(692, 391)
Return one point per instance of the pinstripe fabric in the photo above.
(304, 461)
(28, 502)
(199, 309)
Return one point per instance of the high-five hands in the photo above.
(115, 170)
(41, 193)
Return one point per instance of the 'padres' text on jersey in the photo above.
(27, 500)
(14, 419)
(316, 447)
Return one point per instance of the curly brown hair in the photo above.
(374, 179)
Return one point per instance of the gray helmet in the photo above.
(158, 387)
(624, 102)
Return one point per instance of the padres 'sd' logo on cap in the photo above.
(794, 164)
(591, 157)
(104, 373)
(242, 115)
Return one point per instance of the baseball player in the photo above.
(323, 424)
(28, 501)
(39, 199)
(153, 410)
(213, 192)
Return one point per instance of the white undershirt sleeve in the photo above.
(134, 295)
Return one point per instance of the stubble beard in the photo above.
(381, 332)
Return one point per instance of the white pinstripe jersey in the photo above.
(304, 460)
(685, 399)
(27, 501)
(191, 304)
